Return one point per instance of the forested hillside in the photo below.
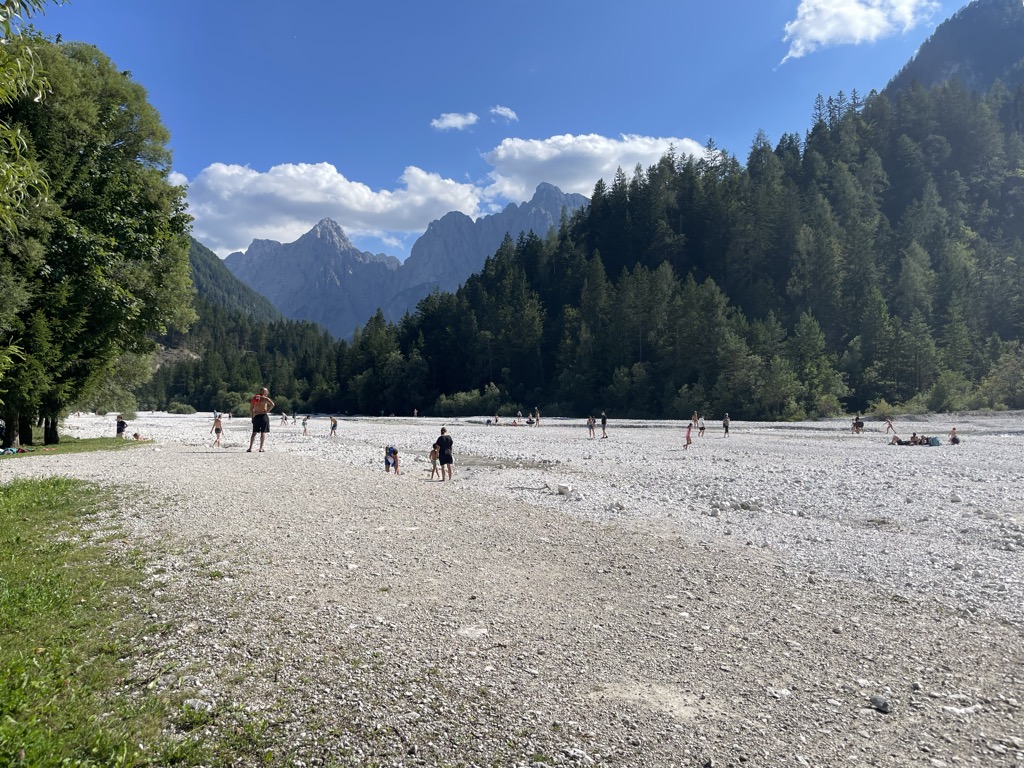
(877, 258)
(214, 282)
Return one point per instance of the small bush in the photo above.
(881, 409)
(180, 408)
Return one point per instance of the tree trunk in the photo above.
(50, 434)
(24, 430)
(10, 438)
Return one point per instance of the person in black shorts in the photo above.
(444, 453)
(122, 426)
(260, 407)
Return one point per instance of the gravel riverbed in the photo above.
(790, 595)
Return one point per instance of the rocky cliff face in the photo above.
(455, 247)
(323, 278)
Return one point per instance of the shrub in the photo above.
(472, 403)
(881, 409)
(950, 393)
(180, 408)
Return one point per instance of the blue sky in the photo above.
(386, 115)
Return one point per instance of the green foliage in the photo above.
(874, 261)
(950, 393)
(68, 636)
(215, 284)
(181, 408)
(880, 409)
(102, 264)
(1003, 387)
(475, 403)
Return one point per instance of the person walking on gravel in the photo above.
(260, 407)
(217, 428)
(725, 425)
(604, 425)
(445, 445)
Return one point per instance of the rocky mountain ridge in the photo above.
(322, 277)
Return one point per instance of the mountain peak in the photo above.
(330, 231)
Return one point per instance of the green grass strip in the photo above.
(75, 445)
(67, 636)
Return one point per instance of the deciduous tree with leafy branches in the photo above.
(102, 262)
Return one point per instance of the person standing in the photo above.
(434, 452)
(604, 425)
(217, 428)
(700, 425)
(725, 425)
(445, 446)
(590, 426)
(334, 428)
(122, 426)
(689, 437)
(260, 407)
(305, 426)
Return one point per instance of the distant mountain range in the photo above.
(322, 277)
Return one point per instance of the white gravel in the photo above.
(759, 600)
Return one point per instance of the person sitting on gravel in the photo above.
(954, 438)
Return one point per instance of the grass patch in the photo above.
(76, 445)
(67, 636)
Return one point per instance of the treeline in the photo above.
(878, 260)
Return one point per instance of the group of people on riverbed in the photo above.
(922, 439)
(442, 453)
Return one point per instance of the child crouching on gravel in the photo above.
(391, 459)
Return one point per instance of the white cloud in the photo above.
(233, 204)
(573, 163)
(505, 112)
(454, 121)
(825, 23)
